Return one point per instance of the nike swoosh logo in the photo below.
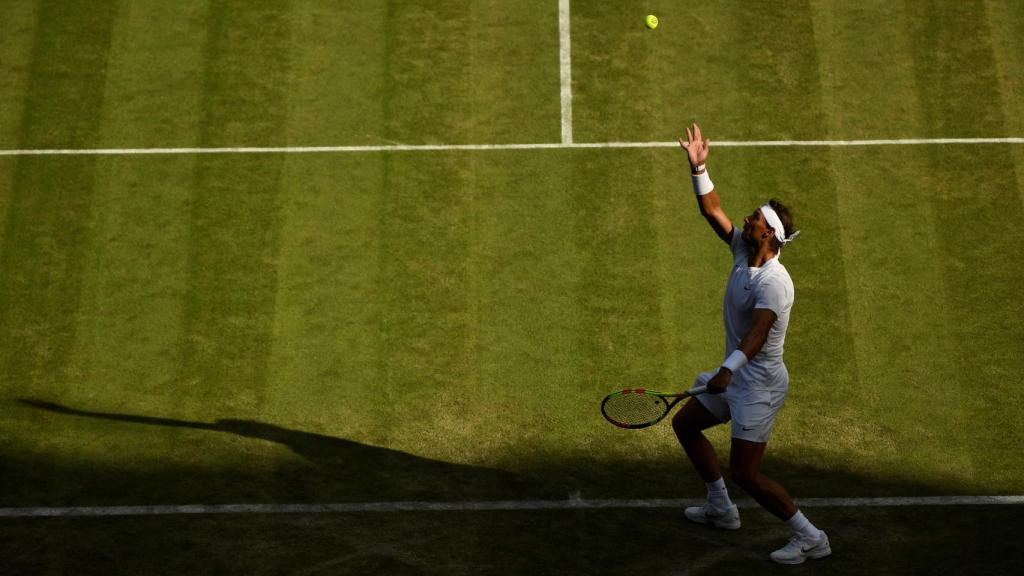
(746, 287)
(811, 549)
(747, 429)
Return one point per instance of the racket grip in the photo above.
(697, 390)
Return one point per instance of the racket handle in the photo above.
(697, 390)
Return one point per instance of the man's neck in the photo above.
(760, 256)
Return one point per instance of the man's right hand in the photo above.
(696, 148)
(720, 381)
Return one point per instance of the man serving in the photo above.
(750, 386)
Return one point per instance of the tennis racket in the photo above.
(638, 408)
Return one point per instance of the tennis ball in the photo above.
(651, 21)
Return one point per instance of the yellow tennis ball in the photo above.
(651, 21)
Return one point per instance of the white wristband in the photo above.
(702, 183)
(735, 361)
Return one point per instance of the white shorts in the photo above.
(751, 409)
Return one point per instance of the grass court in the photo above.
(440, 325)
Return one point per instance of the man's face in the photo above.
(754, 227)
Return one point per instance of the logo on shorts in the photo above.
(745, 429)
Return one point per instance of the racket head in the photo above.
(634, 408)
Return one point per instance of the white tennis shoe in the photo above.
(728, 519)
(800, 548)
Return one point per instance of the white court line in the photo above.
(474, 147)
(485, 506)
(564, 57)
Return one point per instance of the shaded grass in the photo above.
(905, 540)
(276, 464)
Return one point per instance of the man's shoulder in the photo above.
(779, 270)
(775, 277)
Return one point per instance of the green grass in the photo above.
(442, 325)
(577, 542)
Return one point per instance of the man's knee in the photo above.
(692, 419)
(684, 428)
(744, 476)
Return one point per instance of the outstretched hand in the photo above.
(696, 148)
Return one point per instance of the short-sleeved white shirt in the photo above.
(768, 287)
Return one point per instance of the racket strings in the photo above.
(633, 409)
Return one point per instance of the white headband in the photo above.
(775, 222)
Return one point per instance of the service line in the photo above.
(565, 59)
(475, 147)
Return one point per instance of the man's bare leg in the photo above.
(689, 424)
(745, 464)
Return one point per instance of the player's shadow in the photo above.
(591, 541)
(337, 470)
(331, 468)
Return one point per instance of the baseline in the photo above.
(488, 506)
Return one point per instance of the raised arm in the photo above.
(707, 198)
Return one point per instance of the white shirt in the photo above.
(768, 287)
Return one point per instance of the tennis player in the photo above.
(750, 386)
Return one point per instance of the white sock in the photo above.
(799, 524)
(718, 496)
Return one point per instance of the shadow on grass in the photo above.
(337, 470)
(333, 469)
(905, 540)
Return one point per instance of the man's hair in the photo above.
(784, 215)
